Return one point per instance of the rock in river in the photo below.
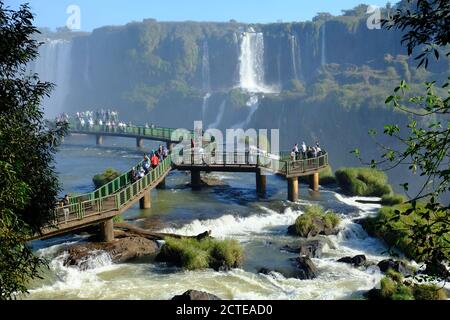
(120, 250)
(191, 295)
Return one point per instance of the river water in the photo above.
(232, 210)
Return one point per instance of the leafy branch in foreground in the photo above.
(28, 182)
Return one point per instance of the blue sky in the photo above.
(97, 13)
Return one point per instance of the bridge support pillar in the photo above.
(107, 230)
(146, 201)
(99, 140)
(196, 181)
(314, 181)
(261, 181)
(293, 189)
(139, 142)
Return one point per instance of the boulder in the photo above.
(120, 250)
(319, 229)
(437, 269)
(395, 265)
(357, 261)
(192, 295)
(307, 269)
(311, 248)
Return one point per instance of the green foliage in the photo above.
(363, 182)
(108, 175)
(400, 231)
(392, 199)
(28, 183)
(429, 292)
(193, 254)
(118, 219)
(394, 275)
(426, 144)
(393, 288)
(307, 223)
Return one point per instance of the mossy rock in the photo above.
(366, 182)
(392, 199)
(315, 221)
(193, 254)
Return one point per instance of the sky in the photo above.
(98, 13)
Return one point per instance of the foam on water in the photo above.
(230, 225)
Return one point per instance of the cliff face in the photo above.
(324, 80)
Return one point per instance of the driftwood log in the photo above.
(130, 229)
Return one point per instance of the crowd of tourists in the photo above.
(306, 152)
(150, 162)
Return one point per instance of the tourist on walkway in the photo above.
(154, 160)
(65, 203)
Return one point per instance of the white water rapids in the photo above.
(262, 233)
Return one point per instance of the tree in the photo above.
(28, 182)
(426, 144)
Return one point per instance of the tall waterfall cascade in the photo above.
(54, 65)
(323, 58)
(206, 79)
(251, 68)
(294, 56)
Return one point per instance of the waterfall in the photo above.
(251, 69)
(323, 59)
(253, 104)
(206, 73)
(294, 63)
(87, 65)
(54, 65)
(205, 105)
(219, 116)
(206, 79)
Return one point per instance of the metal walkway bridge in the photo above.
(114, 198)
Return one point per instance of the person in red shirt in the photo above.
(154, 160)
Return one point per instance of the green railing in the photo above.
(272, 163)
(112, 196)
(138, 131)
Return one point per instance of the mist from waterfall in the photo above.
(251, 68)
(219, 116)
(253, 104)
(54, 65)
(323, 59)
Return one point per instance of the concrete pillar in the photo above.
(146, 201)
(107, 230)
(139, 142)
(196, 181)
(261, 181)
(293, 189)
(99, 140)
(162, 184)
(314, 181)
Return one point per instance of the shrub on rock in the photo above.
(315, 221)
(193, 254)
(363, 182)
(108, 175)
